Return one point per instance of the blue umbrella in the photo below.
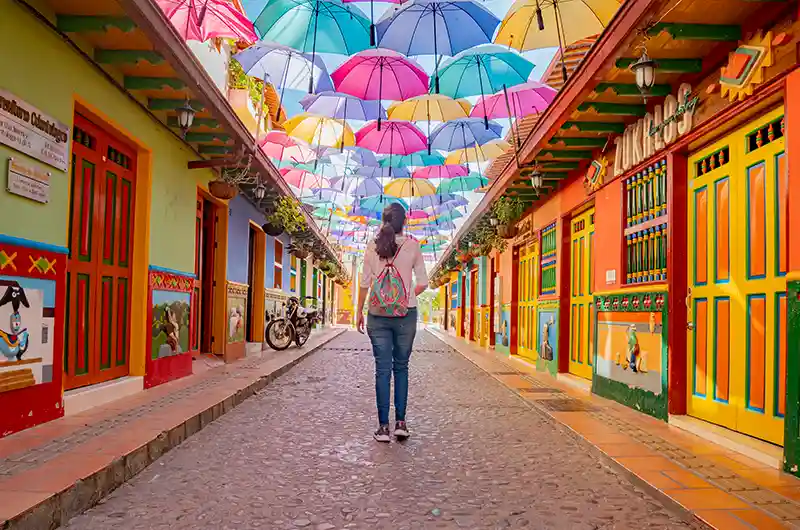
(377, 203)
(383, 172)
(355, 155)
(463, 133)
(432, 201)
(342, 106)
(433, 27)
(367, 187)
(418, 159)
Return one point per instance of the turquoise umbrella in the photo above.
(324, 26)
(461, 184)
(449, 215)
(418, 159)
(482, 70)
(377, 203)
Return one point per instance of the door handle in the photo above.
(690, 326)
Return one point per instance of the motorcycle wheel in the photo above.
(303, 333)
(280, 333)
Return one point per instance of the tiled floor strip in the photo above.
(724, 489)
(51, 472)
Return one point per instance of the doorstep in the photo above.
(715, 484)
(56, 470)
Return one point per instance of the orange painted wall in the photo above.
(504, 268)
(607, 235)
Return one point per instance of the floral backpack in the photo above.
(388, 296)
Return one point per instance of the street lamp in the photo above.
(645, 71)
(536, 179)
(260, 190)
(185, 117)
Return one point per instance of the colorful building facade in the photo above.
(118, 265)
(656, 262)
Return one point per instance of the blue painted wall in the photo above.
(240, 212)
(269, 277)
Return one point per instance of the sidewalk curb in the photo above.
(53, 511)
(668, 502)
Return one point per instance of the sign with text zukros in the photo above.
(25, 128)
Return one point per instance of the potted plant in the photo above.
(225, 187)
(327, 267)
(507, 210)
(285, 217)
(299, 249)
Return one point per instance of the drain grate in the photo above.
(505, 373)
(540, 390)
(566, 405)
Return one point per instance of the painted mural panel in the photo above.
(547, 337)
(503, 336)
(237, 312)
(27, 310)
(631, 346)
(170, 323)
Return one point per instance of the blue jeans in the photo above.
(392, 339)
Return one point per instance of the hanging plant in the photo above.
(327, 267)
(299, 249)
(288, 216)
(222, 189)
(507, 211)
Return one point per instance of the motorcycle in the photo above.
(295, 324)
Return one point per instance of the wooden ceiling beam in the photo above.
(595, 126)
(173, 104)
(619, 109)
(671, 66)
(629, 89)
(103, 56)
(93, 23)
(683, 31)
(133, 82)
(575, 141)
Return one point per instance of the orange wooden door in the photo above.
(100, 257)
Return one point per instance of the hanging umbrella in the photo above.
(466, 132)
(316, 26)
(303, 179)
(434, 27)
(203, 20)
(396, 138)
(409, 188)
(377, 203)
(284, 148)
(449, 215)
(483, 70)
(429, 107)
(421, 158)
(441, 172)
(383, 172)
(319, 130)
(424, 231)
(479, 153)
(432, 201)
(285, 68)
(330, 195)
(379, 74)
(462, 184)
(413, 215)
(342, 106)
(355, 156)
(516, 102)
(584, 19)
(372, 39)
(367, 187)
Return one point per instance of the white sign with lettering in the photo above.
(28, 181)
(655, 131)
(25, 128)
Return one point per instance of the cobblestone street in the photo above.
(300, 455)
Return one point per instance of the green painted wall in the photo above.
(38, 67)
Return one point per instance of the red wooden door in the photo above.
(100, 257)
(202, 297)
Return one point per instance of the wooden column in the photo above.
(677, 271)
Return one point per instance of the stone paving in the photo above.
(300, 455)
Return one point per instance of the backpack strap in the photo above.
(397, 253)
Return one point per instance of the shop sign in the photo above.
(656, 131)
(28, 181)
(26, 129)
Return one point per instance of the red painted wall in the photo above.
(793, 145)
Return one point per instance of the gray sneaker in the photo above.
(382, 434)
(401, 431)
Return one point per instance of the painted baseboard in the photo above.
(764, 452)
(85, 398)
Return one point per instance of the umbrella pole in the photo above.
(314, 48)
(283, 85)
(483, 98)
(510, 124)
(344, 124)
(380, 89)
(517, 111)
(560, 41)
(428, 140)
(372, 23)
(435, 55)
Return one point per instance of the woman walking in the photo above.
(389, 263)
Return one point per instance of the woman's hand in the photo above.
(360, 323)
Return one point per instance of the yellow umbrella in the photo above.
(409, 188)
(429, 107)
(319, 130)
(534, 24)
(479, 153)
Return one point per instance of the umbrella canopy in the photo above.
(434, 27)
(429, 107)
(412, 215)
(285, 67)
(378, 202)
(516, 102)
(319, 130)
(409, 188)
(441, 172)
(432, 201)
(483, 70)
(479, 153)
(396, 138)
(203, 20)
(354, 156)
(378, 74)
(466, 132)
(585, 18)
(462, 184)
(342, 106)
(329, 195)
(383, 172)
(421, 158)
(284, 148)
(316, 26)
(367, 187)
(302, 179)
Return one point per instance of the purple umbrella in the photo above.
(463, 133)
(342, 106)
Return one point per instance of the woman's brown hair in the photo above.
(394, 217)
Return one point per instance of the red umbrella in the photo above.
(202, 20)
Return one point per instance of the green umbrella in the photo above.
(418, 159)
(461, 184)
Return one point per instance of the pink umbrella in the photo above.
(441, 172)
(417, 214)
(202, 20)
(300, 178)
(378, 74)
(284, 148)
(515, 102)
(395, 138)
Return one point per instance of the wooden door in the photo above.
(737, 263)
(473, 298)
(581, 324)
(100, 257)
(527, 289)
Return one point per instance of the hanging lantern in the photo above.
(493, 221)
(185, 117)
(260, 190)
(645, 71)
(536, 179)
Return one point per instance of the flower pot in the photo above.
(506, 231)
(272, 229)
(300, 254)
(222, 189)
